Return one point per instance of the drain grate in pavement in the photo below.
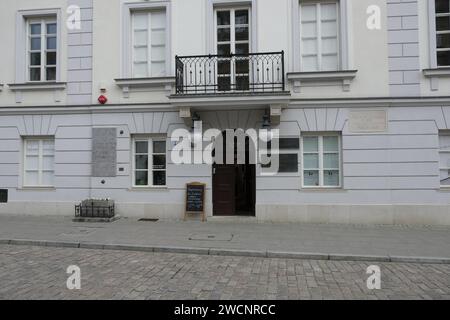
(211, 237)
(148, 220)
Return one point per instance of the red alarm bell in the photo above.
(102, 99)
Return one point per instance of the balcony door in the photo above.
(233, 47)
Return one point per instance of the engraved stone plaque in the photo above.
(368, 121)
(104, 154)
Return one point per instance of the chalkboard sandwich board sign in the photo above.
(195, 199)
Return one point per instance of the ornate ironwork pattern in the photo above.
(235, 73)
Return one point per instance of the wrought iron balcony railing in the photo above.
(235, 73)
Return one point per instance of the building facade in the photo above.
(358, 89)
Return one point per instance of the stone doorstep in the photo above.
(228, 252)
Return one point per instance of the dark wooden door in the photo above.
(224, 190)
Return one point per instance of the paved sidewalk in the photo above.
(283, 240)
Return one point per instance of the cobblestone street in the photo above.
(40, 273)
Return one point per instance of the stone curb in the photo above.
(226, 252)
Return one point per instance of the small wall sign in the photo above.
(3, 195)
(195, 199)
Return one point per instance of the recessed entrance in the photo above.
(234, 186)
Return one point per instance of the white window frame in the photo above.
(150, 154)
(40, 156)
(22, 43)
(150, 45)
(321, 169)
(344, 56)
(43, 67)
(127, 38)
(433, 35)
(320, 53)
(441, 151)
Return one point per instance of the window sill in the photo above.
(435, 74)
(323, 189)
(149, 188)
(37, 86)
(303, 79)
(127, 84)
(36, 189)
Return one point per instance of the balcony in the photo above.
(254, 73)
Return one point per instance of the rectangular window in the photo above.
(443, 33)
(149, 158)
(42, 49)
(39, 156)
(321, 161)
(319, 29)
(444, 158)
(149, 43)
(233, 37)
(288, 155)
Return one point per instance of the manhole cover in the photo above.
(211, 237)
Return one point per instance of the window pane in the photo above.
(309, 47)
(310, 63)
(140, 38)
(158, 20)
(158, 53)
(223, 49)
(51, 74)
(330, 144)
(140, 21)
(158, 69)
(288, 163)
(32, 147)
(35, 43)
(443, 41)
(51, 58)
(242, 67)
(35, 59)
(31, 178)
(329, 29)
(140, 70)
(289, 143)
(158, 38)
(328, 11)
(223, 18)
(445, 177)
(141, 178)
(330, 63)
(442, 6)
(308, 12)
(330, 161)
(48, 147)
(159, 162)
(32, 163)
(48, 163)
(35, 74)
(35, 28)
(442, 23)
(223, 67)
(309, 29)
(242, 48)
(224, 83)
(47, 178)
(242, 34)
(443, 58)
(159, 178)
(311, 178)
(331, 178)
(329, 45)
(141, 162)
(159, 147)
(223, 34)
(51, 28)
(310, 144)
(141, 147)
(51, 43)
(241, 17)
(311, 161)
(140, 54)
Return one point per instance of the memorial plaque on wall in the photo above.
(104, 153)
(368, 121)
